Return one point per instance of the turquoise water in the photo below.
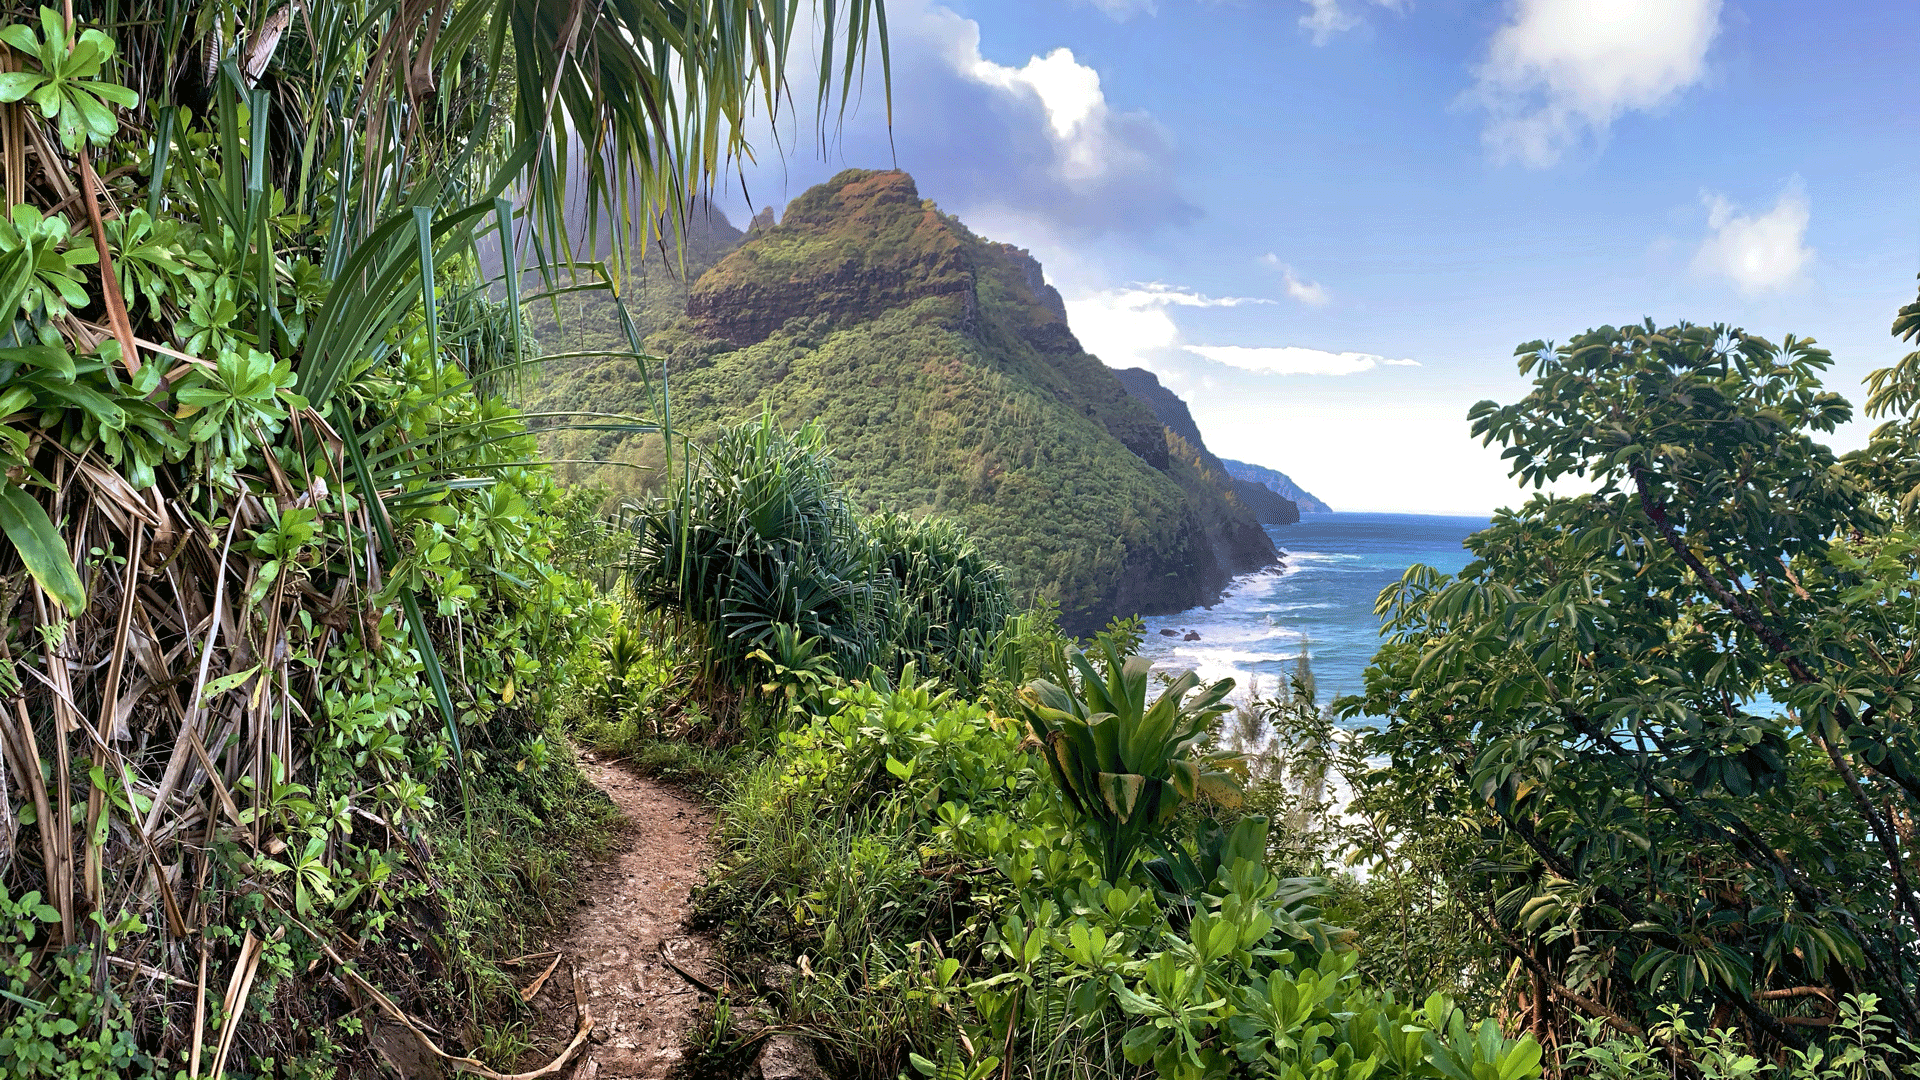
(1322, 601)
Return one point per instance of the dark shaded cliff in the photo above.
(1267, 506)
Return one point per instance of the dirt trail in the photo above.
(631, 905)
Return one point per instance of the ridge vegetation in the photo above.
(940, 369)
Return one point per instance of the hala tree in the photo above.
(1669, 723)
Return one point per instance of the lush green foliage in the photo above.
(1124, 766)
(905, 881)
(947, 385)
(288, 583)
(1861, 1047)
(1657, 739)
(760, 548)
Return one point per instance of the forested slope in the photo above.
(942, 371)
(1267, 504)
(654, 293)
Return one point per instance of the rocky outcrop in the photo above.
(845, 252)
(1044, 315)
(1167, 406)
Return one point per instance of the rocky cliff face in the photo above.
(845, 252)
(1267, 506)
(1277, 482)
(944, 373)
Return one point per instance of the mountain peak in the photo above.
(941, 369)
(846, 251)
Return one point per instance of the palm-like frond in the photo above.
(659, 95)
(242, 484)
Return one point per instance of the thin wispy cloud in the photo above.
(1122, 10)
(1307, 292)
(1326, 18)
(1135, 326)
(1561, 71)
(1759, 253)
(1292, 360)
(1311, 293)
(1126, 327)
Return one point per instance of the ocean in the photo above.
(1321, 601)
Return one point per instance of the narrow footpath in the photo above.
(632, 909)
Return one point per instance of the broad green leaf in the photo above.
(46, 357)
(42, 550)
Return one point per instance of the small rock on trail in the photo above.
(631, 905)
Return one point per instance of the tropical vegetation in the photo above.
(1624, 799)
(1656, 737)
(287, 593)
(939, 367)
(300, 628)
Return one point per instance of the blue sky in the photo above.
(1327, 223)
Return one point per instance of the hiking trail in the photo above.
(633, 905)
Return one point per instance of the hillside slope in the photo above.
(655, 294)
(942, 370)
(1278, 482)
(1268, 506)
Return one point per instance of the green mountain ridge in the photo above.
(942, 371)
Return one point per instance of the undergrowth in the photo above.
(508, 872)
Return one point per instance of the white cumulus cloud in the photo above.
(1076, 109)
(1034, 141)
(1759, 253)
(1291, 360)
(1560, 70)
(1038, 139)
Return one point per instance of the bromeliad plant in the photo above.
(1123, 765)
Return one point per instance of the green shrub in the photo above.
(914, 860)
(1124, 766)
(72, 1025)
(951, 602)
(757, 545)
(1863, 1045)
